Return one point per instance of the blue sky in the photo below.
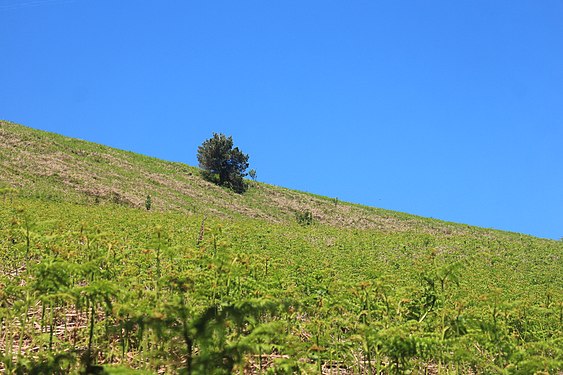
(446, 109)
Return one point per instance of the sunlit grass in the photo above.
(86, 288)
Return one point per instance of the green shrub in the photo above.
(304, 218)
(148, 202)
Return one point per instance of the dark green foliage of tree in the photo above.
(222, 164)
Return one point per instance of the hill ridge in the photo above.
(54, 166)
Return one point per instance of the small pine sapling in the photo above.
(148, 202)
(252, 174)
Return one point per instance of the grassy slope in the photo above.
(326, 267)
(56, 167)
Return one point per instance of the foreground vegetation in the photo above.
(113, 289)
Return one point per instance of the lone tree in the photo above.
(222, 164)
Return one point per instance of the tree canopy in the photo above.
(222, 164)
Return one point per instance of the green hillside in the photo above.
(54, 167)
(92, 282)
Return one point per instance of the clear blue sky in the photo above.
(446, 109)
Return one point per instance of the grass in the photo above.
(110, 287)
(56, 167)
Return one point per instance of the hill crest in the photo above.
(54, 166)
